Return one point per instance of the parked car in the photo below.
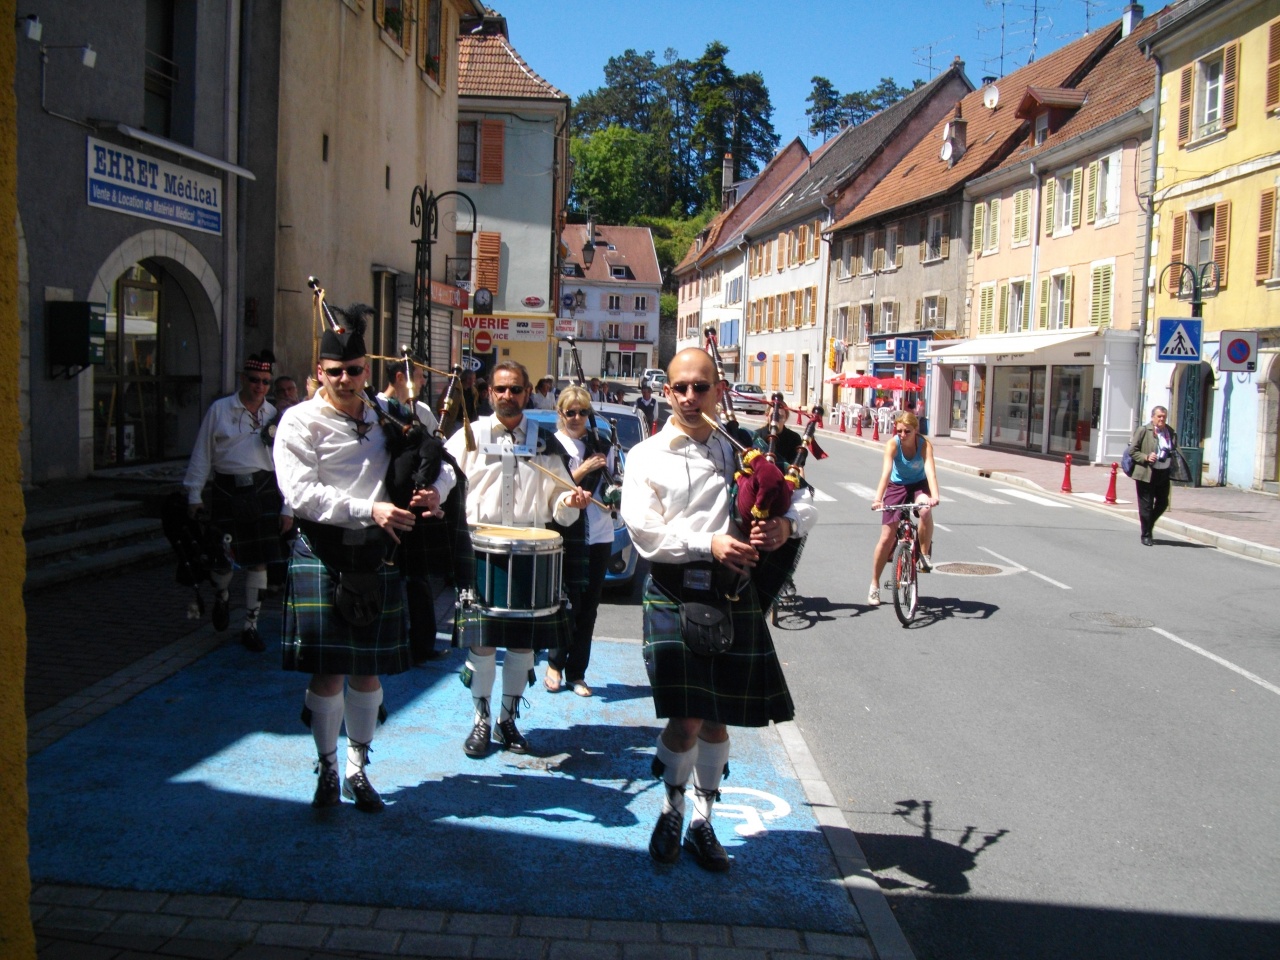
(656, 381)
(649, 373)
(632, 428)
(749, 398)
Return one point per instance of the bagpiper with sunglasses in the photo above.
(247, 510)
(342, 603)
(514, 479)
(707, 649)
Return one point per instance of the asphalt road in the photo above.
(1063, 757)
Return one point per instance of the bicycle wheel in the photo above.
(905, 593)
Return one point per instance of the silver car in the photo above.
(749, 398)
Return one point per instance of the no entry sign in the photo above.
(482, 341)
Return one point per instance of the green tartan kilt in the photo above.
(316, 640)
(475, 628)
(251, 515)
(742, 687)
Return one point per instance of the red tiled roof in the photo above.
(488, 66)
(922, 174)
(633, 247)
(1037, 97)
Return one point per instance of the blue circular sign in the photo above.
(1238, 351)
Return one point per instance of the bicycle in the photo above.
(906, 561)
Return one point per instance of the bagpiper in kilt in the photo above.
(707, 648)
(342, 600)
(513, 480)
(247, 512)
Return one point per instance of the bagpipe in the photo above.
(595, 444)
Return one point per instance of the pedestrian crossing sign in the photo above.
(1178, 339)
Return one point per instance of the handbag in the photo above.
(706, 628)
(1126, 462)
(1179, 470)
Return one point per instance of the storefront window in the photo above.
(1018, 395)
(1071, 413)
(960, 401)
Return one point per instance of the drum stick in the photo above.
(565, 483)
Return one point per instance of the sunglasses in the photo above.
(264, 381)
(683, 389)
(514, 391)
(576, 413)
(352, 371)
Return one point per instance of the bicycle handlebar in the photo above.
(906, 507)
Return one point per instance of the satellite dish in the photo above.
(946, 131)
(946, 150)
(991, 96)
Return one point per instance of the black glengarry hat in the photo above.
(349, 343)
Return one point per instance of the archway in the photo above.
(1267, 466)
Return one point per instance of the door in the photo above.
(1035, 416)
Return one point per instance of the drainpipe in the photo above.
(242, 158)
(743, 362)
(1144, 305)
(824, 295)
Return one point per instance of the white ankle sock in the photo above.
(362, 721)
(326, 722)
(708, 771)
(515, 674)
(484, 670)
(255, 584)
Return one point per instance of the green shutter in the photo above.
(1044, 303)
(1091, 207)
(1050, 196)
(979, 225)
(1077, 195)
(993, 227)
(1004, 308)
(1067, 288)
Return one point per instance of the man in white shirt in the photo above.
(246, 503)
(677, 504)
(343, 614)
(504, 487)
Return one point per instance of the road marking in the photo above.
(1253, 677)
(1032, 498)
(1098, 498)
(938, 526)
(975, 495)
(858, 490)
(820, 496)
(1014, 563)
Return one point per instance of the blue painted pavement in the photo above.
(202, 784)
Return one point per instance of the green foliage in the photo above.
(668, 306)
(609, 170)
(673, 236)
(824, 115)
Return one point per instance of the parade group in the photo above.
(403, 530)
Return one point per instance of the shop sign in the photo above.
(508, 328)
(135, 184)
(447, 295)
(566, 327)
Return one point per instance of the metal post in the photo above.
(1190, 418)
(424, 212)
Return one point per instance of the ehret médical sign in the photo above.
(131, 182)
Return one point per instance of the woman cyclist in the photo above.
(908, 477)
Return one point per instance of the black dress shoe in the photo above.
(664, 844)
(358, 788)
(510, 738)
(251, 641)
(700, 840)
(328, 792)
(221, 612)
(477, 743)
(1147, 541)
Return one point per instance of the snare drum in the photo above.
(518, 571)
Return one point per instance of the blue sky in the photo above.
(853, 43)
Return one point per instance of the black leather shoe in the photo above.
(477, 743)
(328, 792)
(664, 845)
(251, 641)
(700, 840)
(221, 612)
(1147, 541)
(510, 738)
(358, 788)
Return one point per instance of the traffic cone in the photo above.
(1066, 477)
(1111, 485)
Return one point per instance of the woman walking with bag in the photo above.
(1154, 449)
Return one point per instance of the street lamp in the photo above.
(1207, 277)
(589, 246)
(424, 212)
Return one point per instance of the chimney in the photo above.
(1131, 18)
(959, 134)
(727, 193)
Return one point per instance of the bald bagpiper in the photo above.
(247, 510)
(342, 600)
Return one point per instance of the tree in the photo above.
(824, 115)
(608, 171)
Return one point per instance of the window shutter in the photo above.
(1100, 305)
(897, 253)
(815, 240)
(1068, 288)
(944, 248)
(1221, 239)
(941, 322)
(877, 258)
(1077, 190)
(986, 300)
(993, 227)
(492, 136)
(919, 313)
(1044, 303)
(1028, 305)
(924, 239)
(1185, 83)
(1273, 66)
(979, 227)
(779, 254)
(1177, 247)
(1004, 308)
(813, 306)
(1230, 84)
(1091, 205)
(488, 260)
(1050, 204)
(1266, 233)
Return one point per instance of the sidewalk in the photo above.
(1234, 520)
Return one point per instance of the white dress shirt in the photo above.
(537, 499)
(599, 522)
(229, 441)
(675, 497)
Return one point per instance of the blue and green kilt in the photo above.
(251, 514)
(475, 628)
(742, 687)
(316, 640)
